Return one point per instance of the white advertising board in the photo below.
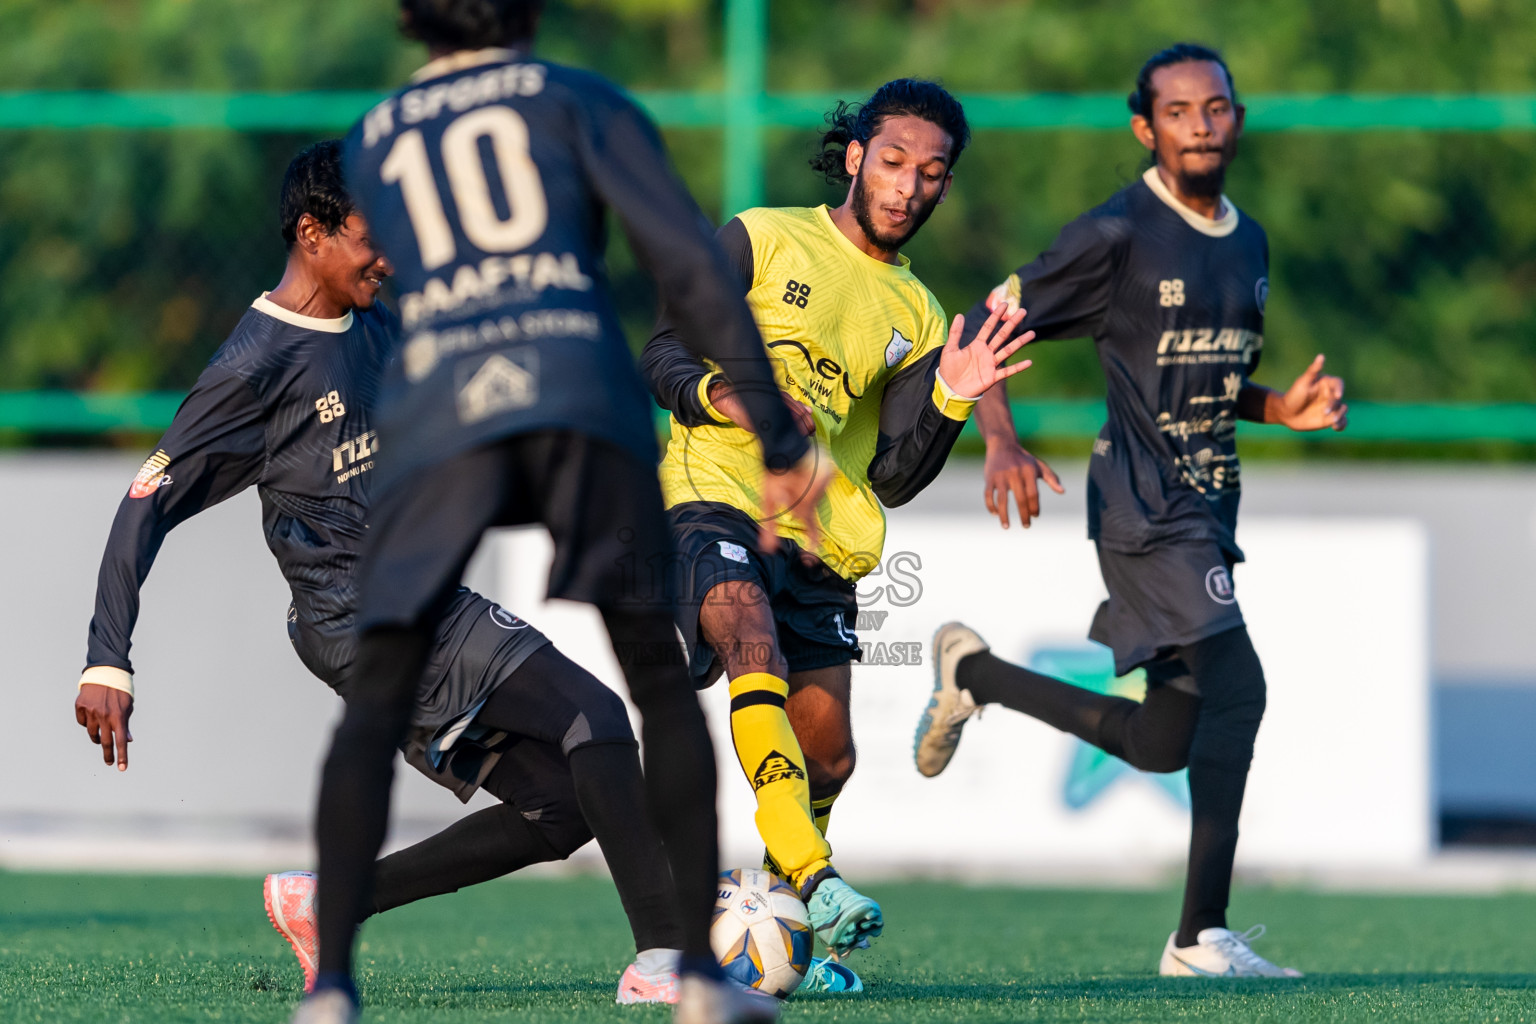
(1337, 610)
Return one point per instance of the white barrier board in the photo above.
(1337, 610)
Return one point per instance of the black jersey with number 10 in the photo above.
(486, 181)
(1175, 304)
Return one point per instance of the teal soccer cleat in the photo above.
(844, 919)
(828, 976)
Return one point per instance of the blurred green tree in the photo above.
(1407, 257)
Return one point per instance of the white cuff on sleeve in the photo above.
(107, 675)
(950, 392)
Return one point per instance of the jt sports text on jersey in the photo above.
(485, 180)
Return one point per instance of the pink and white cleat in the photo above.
(290, 899)
(636, 986)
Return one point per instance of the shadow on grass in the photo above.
(1159, 988)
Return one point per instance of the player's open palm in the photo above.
(971, 370)
(1315, 401)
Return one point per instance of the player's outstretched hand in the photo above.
(104, 712)
(1315, 401)
(793, 495)
(724, 398)
(1010, 469)
(978, 366)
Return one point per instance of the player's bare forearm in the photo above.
(1258, 404)
(994, 418)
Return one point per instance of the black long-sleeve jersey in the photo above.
(284, 405)
(855, 339)
(486, 180)
(1175, 304)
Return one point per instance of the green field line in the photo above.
(88, 412)
(336, 110)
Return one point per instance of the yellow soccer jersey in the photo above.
(855, 339)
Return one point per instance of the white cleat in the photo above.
(1221, 953)
(705, 1001)
(329, 1007)
(949, 708)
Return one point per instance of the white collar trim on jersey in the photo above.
(462, 59)
(340, 325)
(1221, 227)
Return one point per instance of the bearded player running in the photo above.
(860, 351)
(1170, 280)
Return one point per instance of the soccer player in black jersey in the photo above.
(286, 405)
(1170, 280)
(516, 400)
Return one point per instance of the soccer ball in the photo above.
(761, 933)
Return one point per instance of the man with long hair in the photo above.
(862, 359)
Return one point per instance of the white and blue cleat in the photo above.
(844, 918)
(950, 707)
(827, 976)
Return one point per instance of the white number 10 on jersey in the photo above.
(528, 215)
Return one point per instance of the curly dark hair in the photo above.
(1143, 96)
(470, 24)
(850, 122)
(313, 184)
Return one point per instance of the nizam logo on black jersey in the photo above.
(1208, 345)
(355, 457)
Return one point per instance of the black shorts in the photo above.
(478, 644)
(600, 503)
(1170, 596)
(814, 608)
(518, 737)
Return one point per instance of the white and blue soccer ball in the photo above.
(761, 932)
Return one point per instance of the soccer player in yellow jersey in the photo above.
(863, 357)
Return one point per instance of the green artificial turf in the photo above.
(132, 949)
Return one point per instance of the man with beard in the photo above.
(862, 359)
(1170, 280)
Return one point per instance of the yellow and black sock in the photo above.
(770, 755)
(821, 811)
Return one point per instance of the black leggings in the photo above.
(1202, 711)
(556, 792)
(601, 504)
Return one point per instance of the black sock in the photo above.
(1232, 699)
(490, 843)
(611, 792)
(1216, 799)
(353, 810)
(679, 768)
(1152, 735)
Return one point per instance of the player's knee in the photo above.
(565, 836)
(1166, 759)
(828, 770)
